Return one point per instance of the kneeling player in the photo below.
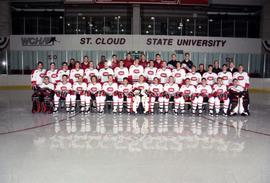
(78, 92)
(205, 95)
(187, 94)
(125, 94)
(62, 91)
(110, 93)
(156, 94)
(140, 89)
(239, 99)
(93, 90)
(221, 95)
(170, 93)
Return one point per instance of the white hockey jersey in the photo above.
(204, 90)
(53, 76)
(49, 86)
(63, 72)
(163, 75)
(171, 88)
(142, 86)
(210, 77)
(195, 78)
(64, 87)
(121, 73)
(226, 77)
(150, 73)
(74, 74)
(179, 75)
(88, 73)
(156, 88)
(37, 76)
(188, 90)
(94, 88)
(135, 72)
(219, 89)
(104, 73)
(110, 88)
(243, 79)
(79, 87)
(125, 89)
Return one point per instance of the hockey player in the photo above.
(187, 93)
(62, 90)
(221, 95)
(205, 94)
(239, 99)
(242, 77)
(179, 74)
(121, 72)
(93, 90)
(37, 75)
(135, 71)
(125, 94)
(52, 73)
(225, 75)
(150, 72)
(155, 93)
(128, 61)
(210, 76)
(105, 72)
(170, 94)
(110, 90)
(75, 73)
(164, 73)
(89, 72)
(78, 92)
(47, 92)
(63, 71)
(140, 89)
(194, 76)
(115, 62)
(85, 64)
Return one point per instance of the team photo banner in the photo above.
(136, 43)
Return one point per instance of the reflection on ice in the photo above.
(142, 133)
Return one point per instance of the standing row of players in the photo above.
(146, 85)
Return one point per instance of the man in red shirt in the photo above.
(128, 61)
(143, 62)
(158, 61)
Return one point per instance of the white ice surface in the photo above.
(132, 149)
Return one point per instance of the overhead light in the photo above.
(187, 19)
(91, 25)
(83, 18)
(96, 30)
(4, 63)
(60, 17)
(191, 32)
(68, 24)
(122, 30)
(152, 18)
(147, 32)
(180, 24)
(199, 26)
(179, 27)
(149, 26)
(211, 20)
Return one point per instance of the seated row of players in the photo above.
(234, 97)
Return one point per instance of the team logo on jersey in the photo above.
(54, 75)
(79, 88)
(41, 75)
(63, 88)
(121, 73)
(164, 75)
(187, 92)
(171, 89)
(91, 74)
(178, 75)
(136, 71)
(110, 89)
(94, 89)
(219, 91)
(150, 72)
(240, 78)
(105, 73)
(224, 78)
(156, 90)
(77, 75)
(141, 87)
(193, 79)
(203, 91)
(126, 90)
(210, 78)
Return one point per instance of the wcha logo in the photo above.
(39, 41)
